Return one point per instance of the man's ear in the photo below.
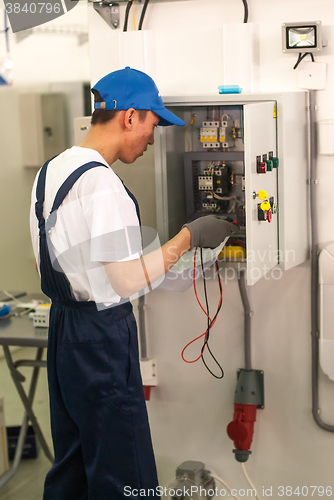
(128, 118)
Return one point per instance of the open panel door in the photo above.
(261, 235)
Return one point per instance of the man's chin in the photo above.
(128, 161)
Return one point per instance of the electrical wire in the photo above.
(235, 203)
(224, 198)
(225, 484)
(134, 15)
(18, 304)
(249, 481)
(192, 121)
(211, 322)
(9, 295)
(126, 18)
(188, 142)
(207, 307)
(220, 480)
(301, 57)
(246, 11)
(142, 16)
(205, 333)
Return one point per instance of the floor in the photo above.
(28, 481)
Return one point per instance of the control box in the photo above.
(244, 157)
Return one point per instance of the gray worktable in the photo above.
(20, 331)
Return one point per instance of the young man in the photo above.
(86, 239)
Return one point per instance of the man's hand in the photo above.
(210, 231)
(131, 276)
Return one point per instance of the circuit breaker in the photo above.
(244, 157)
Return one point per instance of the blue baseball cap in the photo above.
(130, 88)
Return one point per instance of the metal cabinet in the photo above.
(255, 146)
(43, 127)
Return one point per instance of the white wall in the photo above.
(39, 63)
(51, 57)
(189, 410)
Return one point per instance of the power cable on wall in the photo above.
(142, 16)
(246, 11)
(127, 12)
(134, 15)
(247, 320)
(301, 57)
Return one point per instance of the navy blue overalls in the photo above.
(99, 420)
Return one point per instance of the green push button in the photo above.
(270, 165)
(275, 162)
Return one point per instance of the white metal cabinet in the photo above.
(284, 241)
(43, 127)
(261, 236)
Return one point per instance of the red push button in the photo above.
(269, 215)
(261, 167)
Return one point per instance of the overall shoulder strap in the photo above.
(40, 192)
(65, 188)
(71, 180)
(134, 199)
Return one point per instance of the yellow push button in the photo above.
(265, 205)
(262, 194)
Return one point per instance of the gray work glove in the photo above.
(210, 231)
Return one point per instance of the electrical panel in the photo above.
(243, 157)
(43, 127)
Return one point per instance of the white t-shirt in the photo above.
(97, 222)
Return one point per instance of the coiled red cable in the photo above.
(211, 322)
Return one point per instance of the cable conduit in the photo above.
(312, 133)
